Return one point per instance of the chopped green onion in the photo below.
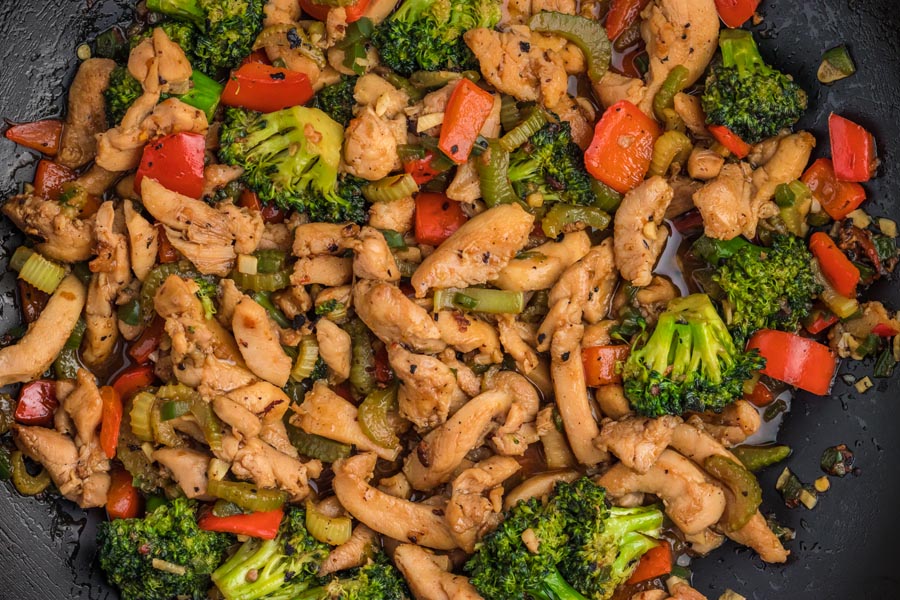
(394, 239)
(391, 188)
(247, 495)
(480, 300)
(306, 359)
(520, 134)
(836, 65)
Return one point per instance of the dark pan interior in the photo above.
(844, 548)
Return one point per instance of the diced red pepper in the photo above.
(357, 10)
(122, 500)
(343, 390)
(111, 420)
(656, 562)
(884, 330)
(735, 13)
(31, 301)
(601, 362)
(257, 56)
(263, 525)
(383, 371)
(622, 15)
(852, 150)
(620, 153)
(265, 88)
(761, 395)
(836, 267)
(819, 320)
(437, 218)
(467, 111)
(50, 177)
(42, 136)
(421, 169)
(838, 198)
(165, 250)
(730, 140)
(795, 360)
(36, 404)
(148, 341)
(176, 162)
(132, 380)
(270, 213)
(354, 11)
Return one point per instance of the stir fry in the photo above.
(445, 299)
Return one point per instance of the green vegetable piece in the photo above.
(394, 239)
(746, 495)
(671, 147)
(111, 44)
(480, 300)
(130, 312)
(885, 363)
(428, 80)
(67, 364)
(519, 134)
(307, 357)
(204, 94)
(5, 464)
(247, 495)
(774, 409)
(374, 417)
(836, 64)
(837, 460)
(664, 99)
(588, 34)
(362, 358)
(26, 483)
(34, 269)
(121, 93)
(493, 175)
(391, 188)
(316, 446)
(263, 299)
(173, 409)
(336, 100)
(757, 458)
(561, 217)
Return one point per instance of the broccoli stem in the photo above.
(556, 588)
(634, 546)
(643, 519)
(204, 94)
(740, 50)
(185, 10)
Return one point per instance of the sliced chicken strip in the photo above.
(732, 426)
(757, 535)
(639, 232)
(261, 398)
(143, 241)
(86, 114)
(84, 406)
(538, 486)
(323, 270)
(56, 452)
(334, 348)
(428, 580)
(394, 318)
(725, 203)
(679, 589)
(268, 468)
(65, 238)
(467, 333)
(243, 423)
(513, 343)
(637, 441)
(160, 64)
(612, 401)
(544, 264)
(355, 552)
(475, 506)
(396, 518)
(372, 258)
(188, 468)
(518, 430)
(428, 388)
(314, 239)
(257, 340)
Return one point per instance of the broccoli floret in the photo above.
(279, 569)
(226, 29)
(336, 100)
(426, 35)
(550, 164)
(748, 96)
(377, 580)
(765, 288)
(291, 157)
(207, 292)
(689, 363)
(123, 90)
(161, 556)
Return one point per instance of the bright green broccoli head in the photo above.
(426, 35)
(161, 556)
(279, 569)
(336, 100)
(689, 363)
(748, 96)
(207, 294)
(764, 288)
(291, 157)
(377, 580)
(123, 90)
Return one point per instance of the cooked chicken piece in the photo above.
(86, 115)
(725, 203)
(786, 165)
(639, 232)
(614, 87)
(651, 595)
(637, 441)
(442, 451)
(544, 264)
(557, 452)
(396, 518)
(732, 426)
(268, 468)
(514, 344)
(274, 433)
(281, 12)
(467, 333)
(222, 375)
(96, 181)
(276, 236)
(355, 552)
(334, 348)
(65, 238)
(84, 407)
(428, 387)
(612, 401)
(313, 239)
(242, 422)
(394, 318)
(466, 379)
(679, 589)
(477, 251)
(704, 542)
(475, 506)
(375, 91)
(690, 109)
(651, 301)
(257, 339)
(372, 258)
(326, 414)
(396, 485)
(284, 47)
(188, 468)
(697, 445)
(143, 241)
(160, 64)
(206, 236)
(465, 185)
(684, 189)
(690, 500)
(518, 430)
(37, 349)
(323, 270)
(370, 145)
(261, 398)
(217, 176)
(538, 486)
(430, 580)
(396, 216)
(112, 272)
(520, 11)
(757, 535)
(705, 164)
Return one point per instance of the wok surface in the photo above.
(844, 548)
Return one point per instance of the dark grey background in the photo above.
(845, 549)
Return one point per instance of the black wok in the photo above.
(845, 549)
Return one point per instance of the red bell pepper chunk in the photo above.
(49, 178)
(270, 213)
(437, 218)
(176, 162)
(761, 395)
(263, 525)
(852, 150)
(357, 10)
(601, 362)
(132, 380)
(837, 268)
(148, 341)
(838, 198)
(884, 330)
(421, 169)
(795, 360)
(656, 562)
(819, 320)
(123, 500)
(265, 88)
(622, 15)
(257, 56)
(735, 13)
(730, 140)
(42, 136)
(165, 250)
(620, 153)
(36, 404)
(467, 111)
(111, 420)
